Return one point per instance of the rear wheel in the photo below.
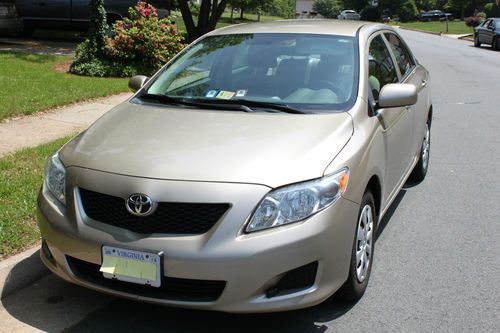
(420, 170)
(362, 251)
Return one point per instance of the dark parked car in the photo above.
(488, 33)
(73, 14)
(9, 21)
(435, 15)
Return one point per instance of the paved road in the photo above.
(437, 258)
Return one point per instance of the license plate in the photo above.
(131, 266)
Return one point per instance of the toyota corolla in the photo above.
(247, 175)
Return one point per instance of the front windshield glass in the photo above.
(304, 71)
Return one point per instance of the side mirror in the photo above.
(137, 82)
(397, 95)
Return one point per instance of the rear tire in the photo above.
(420, 171)
(362, 251)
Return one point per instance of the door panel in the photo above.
(397, 123)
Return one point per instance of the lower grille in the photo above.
(174, 289)
(295, 280)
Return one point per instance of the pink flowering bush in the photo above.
(144, 37)
(140, 44)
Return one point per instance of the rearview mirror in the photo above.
(137, 82)
(397, 95)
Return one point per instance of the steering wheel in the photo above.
(323, 84)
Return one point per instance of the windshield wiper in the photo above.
(196, 103)
(225, 104)
(280, 107)
(164, 99)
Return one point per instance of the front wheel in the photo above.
(494, 44)
(476, 41)
(362, 251)
(420, 170)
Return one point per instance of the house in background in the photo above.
(303, 9)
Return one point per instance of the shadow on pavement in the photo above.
(23, 274)
(125, 316)
(392, 208)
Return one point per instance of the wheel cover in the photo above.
(364, 243)
(426, 146)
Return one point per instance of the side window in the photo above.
(381, 68)
(401, 53)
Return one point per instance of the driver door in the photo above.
(396, 123)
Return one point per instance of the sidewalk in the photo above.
(31, 131)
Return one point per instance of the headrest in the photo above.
(258, 56)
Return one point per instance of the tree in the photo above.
(98, 28)
(210, 13)
(327, 8)
(357, 5)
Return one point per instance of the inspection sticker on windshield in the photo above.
(241, 93)
(225, 95)
(212, 93)
(131, 266)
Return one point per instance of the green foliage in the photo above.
(20, 179)
(140, 44)
(357, 5)
(371, 14)
(98, 27)
(491, 10)
(408, 11)
(327, 8)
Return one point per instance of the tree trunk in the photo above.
(241, 13)
(210, 13)
(258, 15)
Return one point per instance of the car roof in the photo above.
(316, 26)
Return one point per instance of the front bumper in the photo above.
(250, 264)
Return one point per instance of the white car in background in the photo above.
(348, 15)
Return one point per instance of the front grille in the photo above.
(295, 280)
(174, 289)
(169, 217)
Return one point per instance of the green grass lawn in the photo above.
(20, 179)
(30, 84)
(454, 27)
(226, 19)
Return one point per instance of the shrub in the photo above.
(408, 11)
(327, 8)
(491, 10)
(473, 21)
(140, 44)
(370, 14)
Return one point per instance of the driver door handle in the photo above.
(424, 83)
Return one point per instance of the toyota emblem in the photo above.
(139, 205)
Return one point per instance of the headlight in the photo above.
(297, 202)
(55, 178)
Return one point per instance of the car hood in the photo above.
(272, 149)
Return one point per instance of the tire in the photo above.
(476, 41)
(420, 171)
(494, 44)
(362, 251)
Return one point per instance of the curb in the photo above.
(20, 271)
(424, 31)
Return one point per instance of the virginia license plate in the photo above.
(131, 266)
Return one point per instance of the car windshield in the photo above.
(303, 71)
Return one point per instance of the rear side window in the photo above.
(381, 67)
(403, 58)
